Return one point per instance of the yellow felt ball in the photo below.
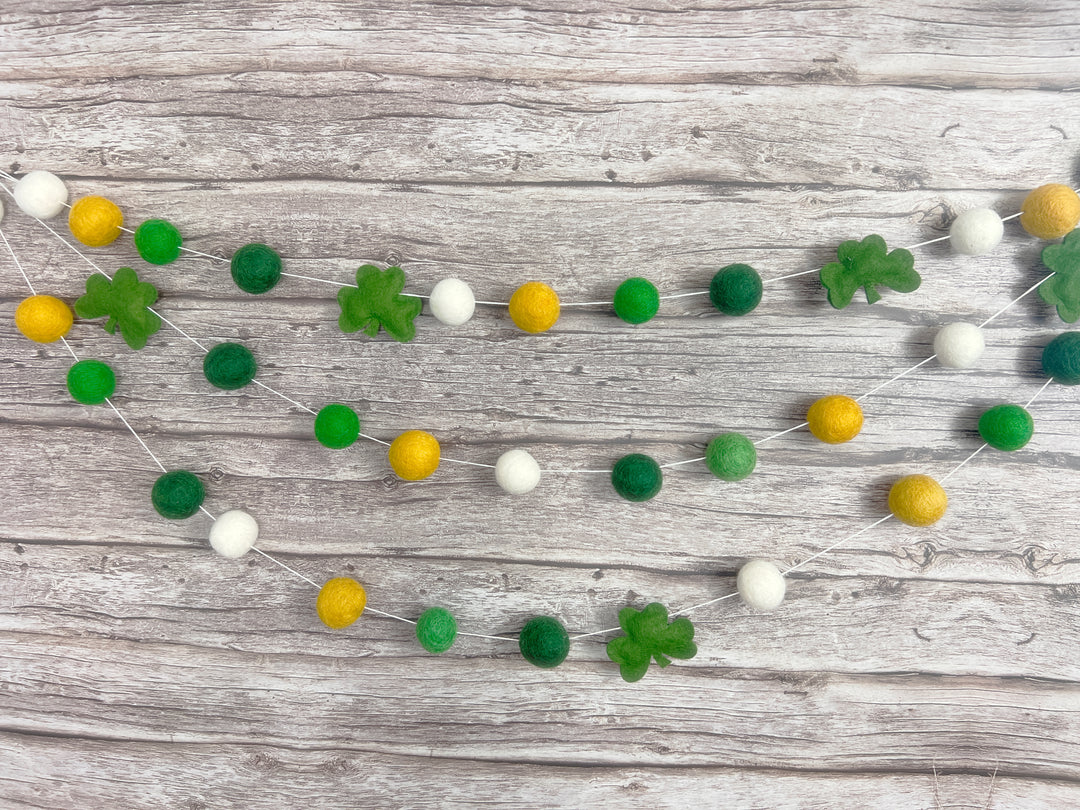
(95, 221)
(43, 319)
(1050, 211)
(341, 601)
(918, 500)
(414, 455)
(534, 307)
(835, 419)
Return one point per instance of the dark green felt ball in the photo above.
(337, 426)
(636, 300)
(637, 477)
(91, 382)
(1061, 358)
(736, 290)
(544, 642)
(436, 630)
(1006, 427)
(158, 241)
(731, 456)
(177, 495)
(256, 268)
(229, 366)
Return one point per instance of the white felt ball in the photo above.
(517, 472)
(976, 232)
(41, 194)
(1, 211)
(234, 533)
(452, 301)
(959, 345)
(761, 585)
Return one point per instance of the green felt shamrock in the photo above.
(866, 264)
(1062, 290)
(376, 302)
(125, 300)
(648, 635)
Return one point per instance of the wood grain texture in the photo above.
(578, 143)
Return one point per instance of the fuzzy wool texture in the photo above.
(731, 456)
(976, 232)
(91, 382)
(534, 307)
(959, 345)
(158, 241)
(636, 477)
(918, 500)
(761, 585)
(40, 194)
(452, 302)
(517, 472)
(95, 221)
(436, 630)
(736, 289)
(43, 318)
(229, 366)
(544, 642)
(255, 268)
(234, 534)
(341, 601)
(414, 455)
(177, 495)
(337, 426)
(835, 419)
(636, 300)
(1061, 359)
(1050, 211)
(1006, 427)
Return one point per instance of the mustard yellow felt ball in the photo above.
(414, 455)
(534, 307)
(835, 419)
(341, 601)
(95, 221)
(43, 319)
(1050, 211)
(918, 500)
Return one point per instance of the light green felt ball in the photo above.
(177, 495)
(544, 642)
(229, 366)
(1061, 358)
(436, 630)
(736, 290)
(256, 268)
(91, 382)
(637, 477)
(731, 456)
(158, 241)
(337, 426)
(636, 300)
(1006, 427)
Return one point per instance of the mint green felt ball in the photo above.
(337, 426)
(1006, 427)
(736, 290)
(636, 300)
(177, 495)
(436, 630)
(229, 366)
(731, 456)
(256, 268)
(1061, 358)
(637, 477)
(158, 241)
(91, 382)
(544, 642)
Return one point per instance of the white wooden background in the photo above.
(576, 143)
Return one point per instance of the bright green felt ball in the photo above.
(544, 642)
(177, 495)
(736, 289)
(158, 241)
(256, 268)
(731, 456)
(436, 630)
(1006, 427)
(91, 382)
(229, 366)
(337, 426)
(637, 477)
(636, 300)
(1061, 358)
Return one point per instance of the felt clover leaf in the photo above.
(866, 264)
(1062, 290)
(125, 300)
(648, 635)
(377, 301)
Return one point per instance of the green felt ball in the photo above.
(229, 366)
(544, 642)
(731, 456)
(256, 268)
(637, 477)
(177, 495)
(91, 382)
(1006, 427)
(436, 630)
(636, 300)
(736, 289)
(1061, 358)
(337, 426)
(158, 241)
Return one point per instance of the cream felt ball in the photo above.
(959, 345)
(234, 533)
(517, 472)
(976, 232)
(452, 302)
(1, 210)
(761, 585)
(40, 194)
